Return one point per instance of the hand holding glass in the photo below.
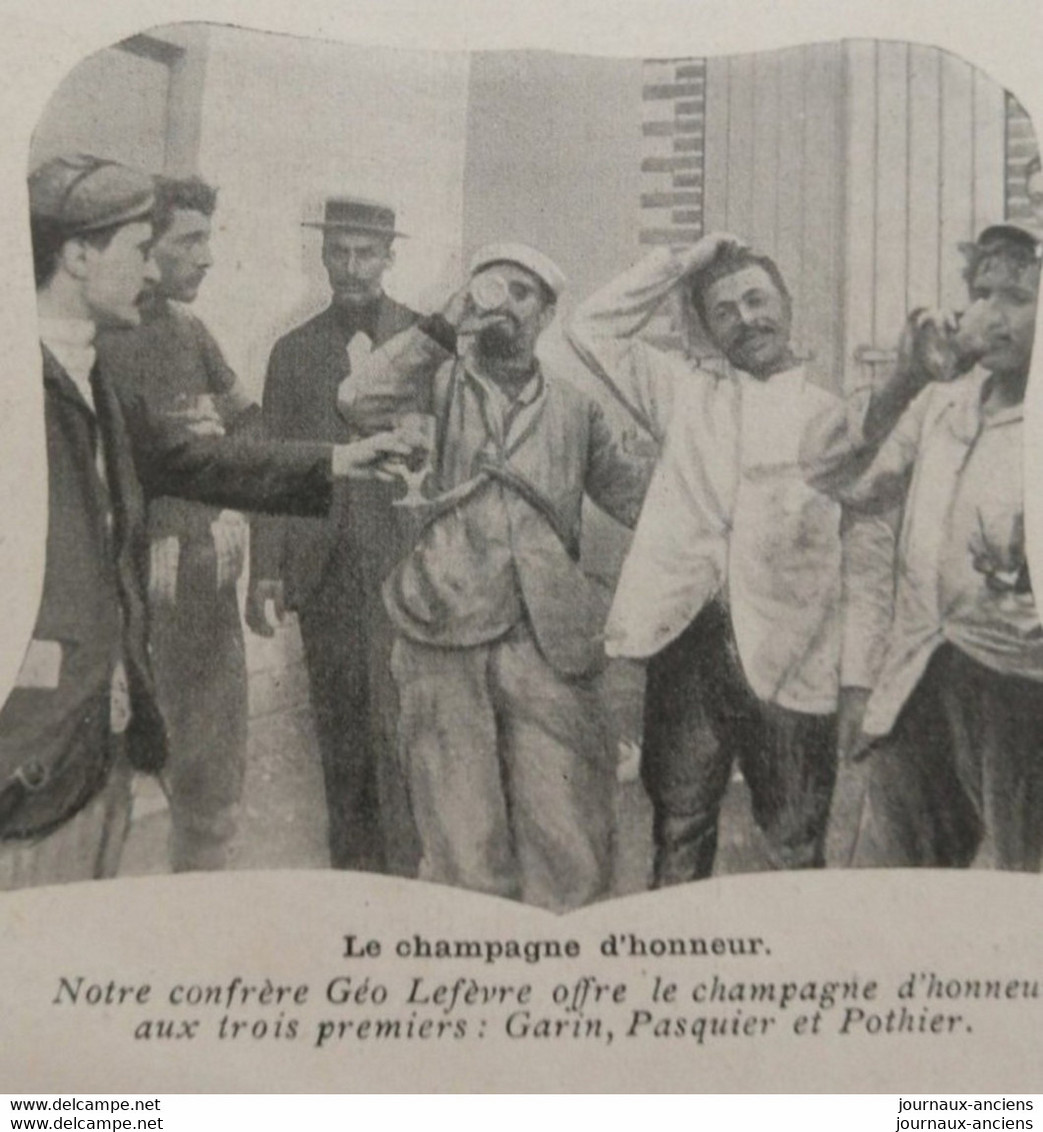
(418, 431)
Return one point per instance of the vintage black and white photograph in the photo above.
(543, 475)
(518, 560)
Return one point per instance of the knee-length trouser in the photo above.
(701, 716)
(511, 775)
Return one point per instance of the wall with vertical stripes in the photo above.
(924, 171)
(773, 143)
(858, 166)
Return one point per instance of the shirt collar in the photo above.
(529, 392)
(785, 381)
(73, 332)
(71, 341)
(1006, 415)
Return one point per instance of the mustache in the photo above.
(759, 329)
(496, 325)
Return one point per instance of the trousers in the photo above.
(333, 632)
(199, 661)
(959, 780)
(701, 717)
(510, 770)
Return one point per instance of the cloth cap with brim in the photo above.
(79, 194)
(543, 267)
(353, 214)
(1013, 232)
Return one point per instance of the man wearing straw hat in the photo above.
(84, 708)
(330, 571)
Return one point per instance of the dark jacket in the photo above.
(305, 370)
(55, 748)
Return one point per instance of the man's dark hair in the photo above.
(728, 261)
(48, 239)
(192, 194)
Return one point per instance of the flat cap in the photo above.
(356, 214)
(78, 193)
(1016, 233)
(542, 266)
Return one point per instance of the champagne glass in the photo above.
(487, 293)
(944, 345)
(417, 430)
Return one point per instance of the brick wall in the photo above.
(1021, 147)
(673, 150)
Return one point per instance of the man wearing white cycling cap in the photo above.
(498, 644)
(542, 266)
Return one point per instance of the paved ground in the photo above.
(282, 822)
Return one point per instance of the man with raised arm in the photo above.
(738, 573)
(502, 727)
(955, 770)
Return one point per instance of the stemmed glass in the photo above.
(417, 430)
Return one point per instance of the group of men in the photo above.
(815, 582)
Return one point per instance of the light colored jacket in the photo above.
(958, 473)
(502, 538)
(730, 514)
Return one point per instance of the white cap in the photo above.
(543, 267)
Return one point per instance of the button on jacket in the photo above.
(55, 727)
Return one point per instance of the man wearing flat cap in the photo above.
(330, 571)
(84, 709)
(954, 771)
(502, 730)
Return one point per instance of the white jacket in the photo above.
(729, 512)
